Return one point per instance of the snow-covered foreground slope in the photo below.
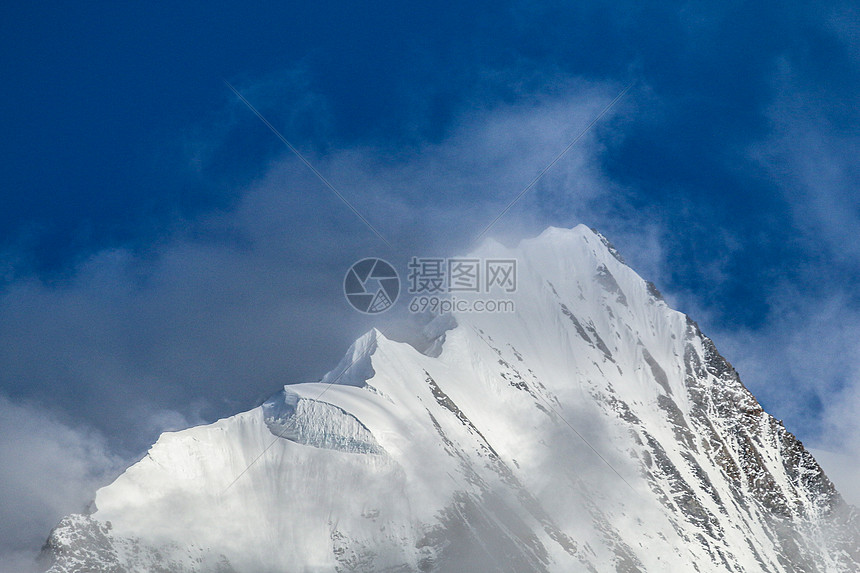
(594, 429)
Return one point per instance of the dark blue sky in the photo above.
(735, 151)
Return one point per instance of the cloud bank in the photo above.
(225, 307)
(48, 469)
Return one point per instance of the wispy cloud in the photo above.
(232, 305)
(48, 469)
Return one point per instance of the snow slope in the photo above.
(593, 429)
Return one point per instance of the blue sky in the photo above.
(164, 260)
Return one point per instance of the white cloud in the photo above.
(237, 303)
(842, 469)
(47, 470)
(841, 456)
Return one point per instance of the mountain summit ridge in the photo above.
(592, 429)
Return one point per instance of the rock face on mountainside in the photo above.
(592, 429)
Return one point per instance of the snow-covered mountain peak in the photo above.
(590, 428)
